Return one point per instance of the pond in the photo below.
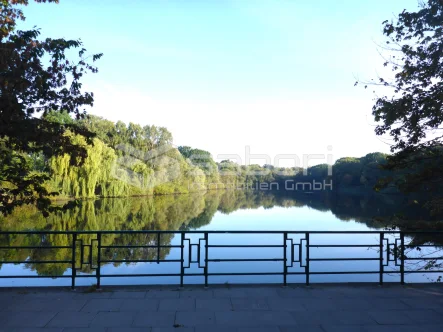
(224, 210)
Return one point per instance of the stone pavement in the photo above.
(319, 308)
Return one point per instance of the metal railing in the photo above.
(89, 250)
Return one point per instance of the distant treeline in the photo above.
(130, 160)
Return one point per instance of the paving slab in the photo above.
(128, 295)
(173, 329)
(163, 294)
(230, 293)
(196, 294)
(71, 319)
(154, 319)
(95, 305)
(391, 317)
(349, 317)
(32, 329)
(317, 308)
(423, 303)
(23, 304)
(314, 318)
(220, 304)
(425, 316)
(285, 304)
(290, 292)
(403, 328)
(192, 319)
(26, 319)
(128, 329)
(258, 329)
(343, 328)
(93, 295)
(214, 328)
(388, 304)
(261, 292)
(301, 329)
(113, 319)
(177, 305)
(85, 329)
(318, 304)
(254, 318)
(249, 304)
(139, 305)
(352, 304)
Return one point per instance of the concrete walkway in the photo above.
(225, 309)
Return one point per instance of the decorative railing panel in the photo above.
(295, 253)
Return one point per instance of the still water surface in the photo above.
(218, 210)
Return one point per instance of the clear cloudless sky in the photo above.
(274, 75)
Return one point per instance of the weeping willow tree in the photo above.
(122, 161)
(90, 177)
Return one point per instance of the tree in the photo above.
(36, 78)
(347, 172)
(413, 113)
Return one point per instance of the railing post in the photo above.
(99, 249)
(402, 258)
(206, 259)
(285, 267)
(307, 259)
(73, 271)
(381, 258)
(158, 248)
(182, 267)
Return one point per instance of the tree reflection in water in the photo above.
(184, 212)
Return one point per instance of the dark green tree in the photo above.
(412, 113)
(36, 78)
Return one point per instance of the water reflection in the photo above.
(188, 212)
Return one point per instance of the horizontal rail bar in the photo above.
(424, 271)
(32, 277)
(246, 274)
(424, 258)
(344, 259)
(35, 247)
(34, 262)
(343, 245)
(345, 272)
(219, 232)
(139, 246)
(245, 246)
(140, 260)
(210, 274)
(246, 260)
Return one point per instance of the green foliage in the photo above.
(412, 112)
(131, 160)
(36, 78)
(90, 177)
(115, 168)
(359, 174)
(415, 109)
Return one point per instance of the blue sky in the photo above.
(275, 75)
